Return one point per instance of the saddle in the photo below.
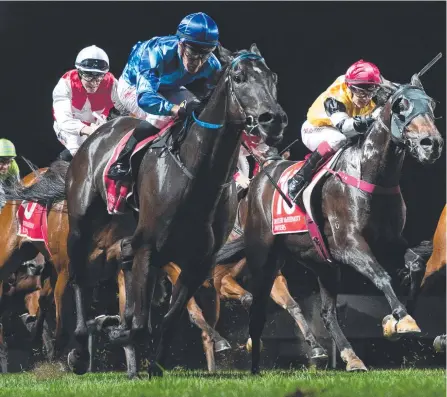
(122, 196)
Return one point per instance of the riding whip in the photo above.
(286, 199)
(288, 146)
(430, 64)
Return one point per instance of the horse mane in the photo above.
(48, 189)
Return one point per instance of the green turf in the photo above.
(375, 383)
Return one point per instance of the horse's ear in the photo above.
(224, 55)
(254, 49)
(416, 81)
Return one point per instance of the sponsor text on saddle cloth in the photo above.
(117, 192)
(285, 219)
(32, 220)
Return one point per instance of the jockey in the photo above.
(9, 170)
(83, 98)
(342, 111)
(151, 86)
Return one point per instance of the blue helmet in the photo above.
(198, 29)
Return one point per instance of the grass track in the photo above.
(375, 383)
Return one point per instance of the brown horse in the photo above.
(362, 230)
(104, 250)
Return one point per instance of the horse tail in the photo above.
(231, 252)
(48, 188)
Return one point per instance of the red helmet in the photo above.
(363, 72)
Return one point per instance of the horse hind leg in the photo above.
(82, 212)
(281, 295)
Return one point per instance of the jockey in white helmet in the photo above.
(83, 98)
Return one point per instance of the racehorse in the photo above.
(362, 229)
(185, 212)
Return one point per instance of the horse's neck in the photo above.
(216, 150)
(380, 159)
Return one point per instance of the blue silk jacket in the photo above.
(155, 65)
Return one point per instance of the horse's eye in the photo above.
(404, 105)
(238, 78)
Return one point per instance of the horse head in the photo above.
(411, 119)
(253, 98)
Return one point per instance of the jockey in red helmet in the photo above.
(342, 111)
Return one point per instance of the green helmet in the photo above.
(7, 148)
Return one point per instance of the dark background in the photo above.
(307, 44)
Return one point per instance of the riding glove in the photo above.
(188, 109)
(362, 123)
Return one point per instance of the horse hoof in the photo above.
(356, 365)
(407, 326)
(155, 369)
(256, 371)
(104, 321)
(77, 364)
(439, 344)
(119, 336)
(389, 324)
(221, 345)
(247, 300)
(133, 376)
(319, 357)
(249, 345)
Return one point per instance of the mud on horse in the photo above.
(360, 228)
(184, 217)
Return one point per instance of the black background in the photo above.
(307, 44)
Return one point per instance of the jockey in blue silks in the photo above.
(151, 86)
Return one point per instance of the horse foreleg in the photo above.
(281, 295)
(211, 339)
(3, 352)
(184, 289)
(328, 280)
(129, 349)
(59, 292)
(359, 255)
(264, 263)
(228, 287)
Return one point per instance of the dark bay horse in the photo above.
(362, 230)
(184, 217)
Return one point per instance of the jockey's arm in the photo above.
(349, 126)
(115, 99)
(148, 83)
(62, 109)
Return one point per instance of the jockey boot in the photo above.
(120, 170)
(304, 175)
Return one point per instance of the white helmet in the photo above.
(92, 59)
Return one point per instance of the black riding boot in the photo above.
(304, 175)
(120, 170)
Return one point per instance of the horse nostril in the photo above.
(426, 143)
(266, 118)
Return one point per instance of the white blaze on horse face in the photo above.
(257, 70)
